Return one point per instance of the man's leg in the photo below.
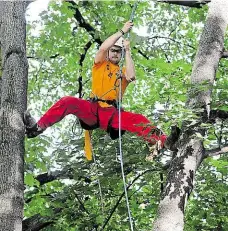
(83, 109)
(140, 125)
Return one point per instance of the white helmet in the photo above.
(119, 42)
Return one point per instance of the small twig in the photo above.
(122, 195)
(168, 38)
(175, 27)
(81, 203)
(166, 56)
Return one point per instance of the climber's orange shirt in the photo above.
(104, 77)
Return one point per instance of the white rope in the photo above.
(120, 144)
(119, 115)
(99, 184)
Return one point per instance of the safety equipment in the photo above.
(119, 42)
(88, 145)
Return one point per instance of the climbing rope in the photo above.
(121, 153)
(119, 116)
(119, 76)
(99, 184)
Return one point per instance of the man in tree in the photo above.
(101, 110)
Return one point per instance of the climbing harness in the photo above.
(95, 98)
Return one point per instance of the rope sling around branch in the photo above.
(119, 116)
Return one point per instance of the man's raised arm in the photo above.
(110, 41)
(130, 67)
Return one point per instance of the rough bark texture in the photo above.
(13, 104)
(190, 148)
(179, 185)
(210, 51)
(36, 223)
(0, 84)
(0, 75)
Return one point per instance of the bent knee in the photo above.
(67, 99)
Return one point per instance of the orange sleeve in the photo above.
(97, 65)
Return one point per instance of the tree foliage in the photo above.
(62, 188)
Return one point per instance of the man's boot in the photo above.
(31, 126)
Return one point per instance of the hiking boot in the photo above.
(172, 138)
(34, 131)
(29, 121)
(31, 126)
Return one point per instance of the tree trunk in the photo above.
(211, 48)
(13, 104)
(0, 89)
(191, 151)
(0, 75)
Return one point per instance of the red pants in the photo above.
(91, 112)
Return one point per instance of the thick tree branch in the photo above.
(47, 177)
(216, 152)
(189, 3)
(82, 58)
(214, 114)
(83, 55)
(35, 223)
(51, 176)
(225, 54)
(38, 222)
(51, 57)
(39, 226)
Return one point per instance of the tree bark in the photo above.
(13, 105)
(190, 148)
(37, 222)
(210, 51)
(189, 3)
(0, 89)
(0, 73)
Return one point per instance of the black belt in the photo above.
(110, 102)
(114, 133)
